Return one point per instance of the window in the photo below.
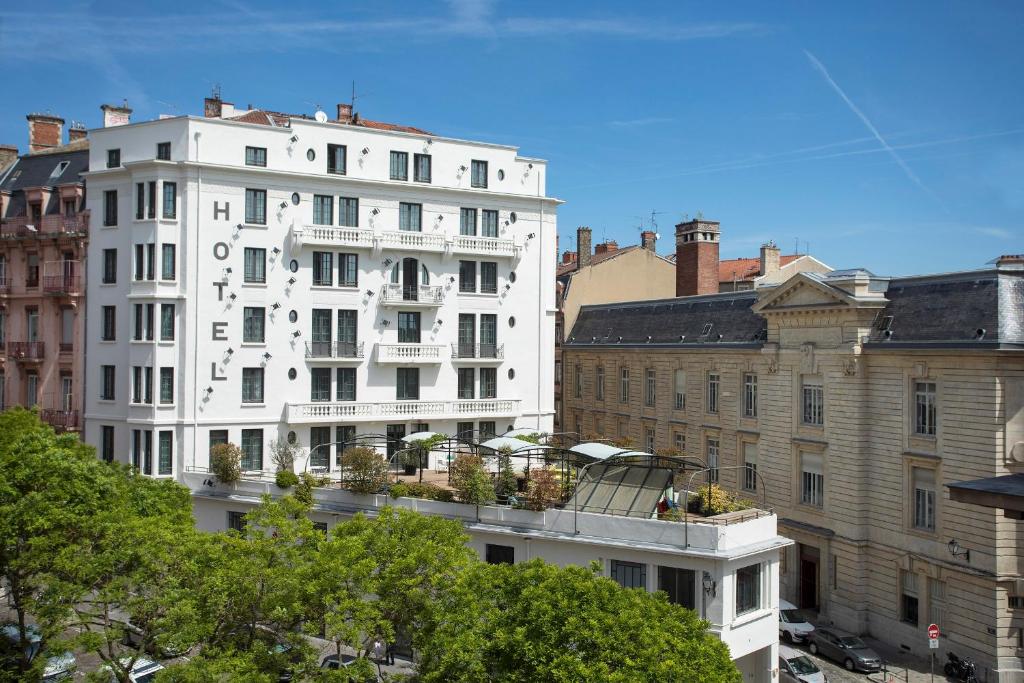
(142, 384)
(408, 388)
(252, 385)
(142, 450)
(150, 261)
(236, 521)
(499, 554)
(163, 151)
(336, 157)
(140, 261)
(937, 603)
(650, 387)
(714, 382)
(109, 326)
(467, 335)
(256, 207)
(680, 389)
(3, 335)
(218, 436)
(323, 268)
(489, 223)
(166, 385)
(467, 379)
(32, 270)
(924, 408)
(113, 158)
(107, 382)
(253, 324)
(343, 435)
(712, 459)
(908, 598)
(748, 589)
(599, 383)
(107, 443)
(421, 168)
(812, 479)
(110, 207)
(409, 328)
(140, 201)
(320, 334)
(649, 439)
(67, 328)
(488, 382)
(624, 385)
(629, 574)
(348, 332)
(168, 259)
(348, 270)
(749, 395)
(31, 389)
(255, 156)
(348, 212)
(479, 174)
(488, 335)
(319, 447)
(923, 481)
(166, 322)
(320, 385)
(164, 452)
(679, 439)
(467, 276)
(399, 166)
(467, 222)
(170, 200)
(255, 265)
(151, 199)
(109, 266)
(750, 465)
(577, 381)
(488, 277)
(409, 216)
(32, 324)
(346, 390)
(813, 401)
(1012, 602)
(679, 585)
(487, 429)
(252, 449)
(323, 209)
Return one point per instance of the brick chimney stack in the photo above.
(770, 261)
(114, 115)
(606, 247)
(45, 131)
(648, 239)
(568, 257)
(697, 257)
(212, 107)
(8, 155)
(583, 247)
(345, 113)
(77, 131)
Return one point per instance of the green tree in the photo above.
(226, 462)
(538, 622)
(471, 481)
(365, 470)
(505, 484)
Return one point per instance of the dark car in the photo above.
(845, 648)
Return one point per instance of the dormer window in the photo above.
(59, 169)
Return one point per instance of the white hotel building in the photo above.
(255, 275)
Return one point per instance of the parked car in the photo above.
(143, 670)
(793, 627)
(133, 636)
(333, 662)
(58, 666)
(796, 667)
(845, 648)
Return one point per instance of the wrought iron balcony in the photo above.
(62, 285)
(334, 350)
(299, 413)
(415, 295)
(478, 351)
(54, 225)
(60, 419)
(410, 354)
(31, 351)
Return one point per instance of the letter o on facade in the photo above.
(221, 251)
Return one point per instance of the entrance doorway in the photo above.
(809, 562)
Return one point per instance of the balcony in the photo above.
(334, 352)
(417, 296)
(61, 420)
(331, 236)
(54, 225)
(403, 240)
(62, 285)
(484, 246)
(300, 413)
(410, 354)
(478, 353)
(26, 351)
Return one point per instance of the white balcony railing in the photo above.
(488, 246)
(416, 295)
(328, 235)
(411, 353)
(404, 240)
(344, 411)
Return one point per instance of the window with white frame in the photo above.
(714, 383)
(629, 574)
(624, 385)
(925, 418)
(812, 479)
(749, 395)
(923, 483)
(813, 395)
(650, 387)
(680, 389)
(748, 589)
(712, 459)
(252, 385)
(750, 466)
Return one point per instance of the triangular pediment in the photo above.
(803, 292)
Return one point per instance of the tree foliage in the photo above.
(226, 462)
(543, 491)
(471, 481)
(365, 470)
(505, 483)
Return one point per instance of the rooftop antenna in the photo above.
(215, 92)
(796, 245)
(654, 223)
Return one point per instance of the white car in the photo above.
(143, 671)
(796, 667)
(793, 628)
(58, 666)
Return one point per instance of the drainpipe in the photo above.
(540, 288)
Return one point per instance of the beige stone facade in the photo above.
(872, 549)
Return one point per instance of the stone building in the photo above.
(847, 403)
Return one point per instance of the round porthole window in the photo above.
(512, 276)
(501, 174)
(293, 266)
(296, 198)
(310, 154)
(292, 438)
(512, 218)
(293, 316)
(511, 373)
(292, 374)
(511, 321)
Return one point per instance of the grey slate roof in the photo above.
(35, 170)
(666, 321)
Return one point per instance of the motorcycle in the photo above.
(961, 669)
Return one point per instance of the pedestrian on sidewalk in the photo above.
(378, 650)
(390, 654)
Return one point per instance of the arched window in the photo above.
(424, 275)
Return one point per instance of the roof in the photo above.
(566, 268)
(737, 269)
(37, 170)
(1006, 491)
(266, 117)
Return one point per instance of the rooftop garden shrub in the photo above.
(226, 462)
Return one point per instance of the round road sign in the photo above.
(933, 631)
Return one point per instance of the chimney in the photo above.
(1006, 261)
(8, 155)
(648, 239)
(568, 257)
(212, 107)
(606, 246)
(697, 257)
(769, 258)
(116, 116)
(583, 247)
(345, 113)
(45, 131)
(77, 131)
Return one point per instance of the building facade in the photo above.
(846, 403)
(44, 230)
(256, 276)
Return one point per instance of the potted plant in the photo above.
(226, 462)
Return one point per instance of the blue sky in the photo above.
(885, 135)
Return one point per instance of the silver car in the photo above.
(796, 667)
(845, 648)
